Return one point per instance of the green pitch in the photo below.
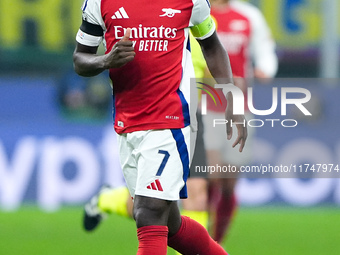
(255, 231)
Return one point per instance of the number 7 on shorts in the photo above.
(164, 161)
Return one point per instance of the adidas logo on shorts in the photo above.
(156, 185)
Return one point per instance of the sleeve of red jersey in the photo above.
(262, 44)
(92, 28)
(201, 24)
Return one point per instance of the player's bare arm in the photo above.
(87, 63)
(219, 66)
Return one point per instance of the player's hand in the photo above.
(241, 125)
(122, 52)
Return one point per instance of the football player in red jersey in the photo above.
(148, 58)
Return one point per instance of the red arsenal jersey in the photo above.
(152, 91)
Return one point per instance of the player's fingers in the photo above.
(129, 58)
(229, 131)
(122, 61)
(242, 143)
(244, 138)
(126, 36)
(237, 141)
(121, 48)
(125, 54)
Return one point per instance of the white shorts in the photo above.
(215, 139)
(156, 163)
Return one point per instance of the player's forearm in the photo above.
(217, 60)
(219, 66)
(218, 63)
(86, 64)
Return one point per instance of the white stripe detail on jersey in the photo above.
(120, 14)
(123, 12)
(88, 40)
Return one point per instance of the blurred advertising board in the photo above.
(51, 158)
(42, 33)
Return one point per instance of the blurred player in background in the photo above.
(246, 36)
(148, 55)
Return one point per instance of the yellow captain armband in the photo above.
(204, 29)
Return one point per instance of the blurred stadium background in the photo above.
(56, 139)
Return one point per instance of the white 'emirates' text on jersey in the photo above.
(152, 91)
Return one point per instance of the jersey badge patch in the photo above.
(168, 12)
